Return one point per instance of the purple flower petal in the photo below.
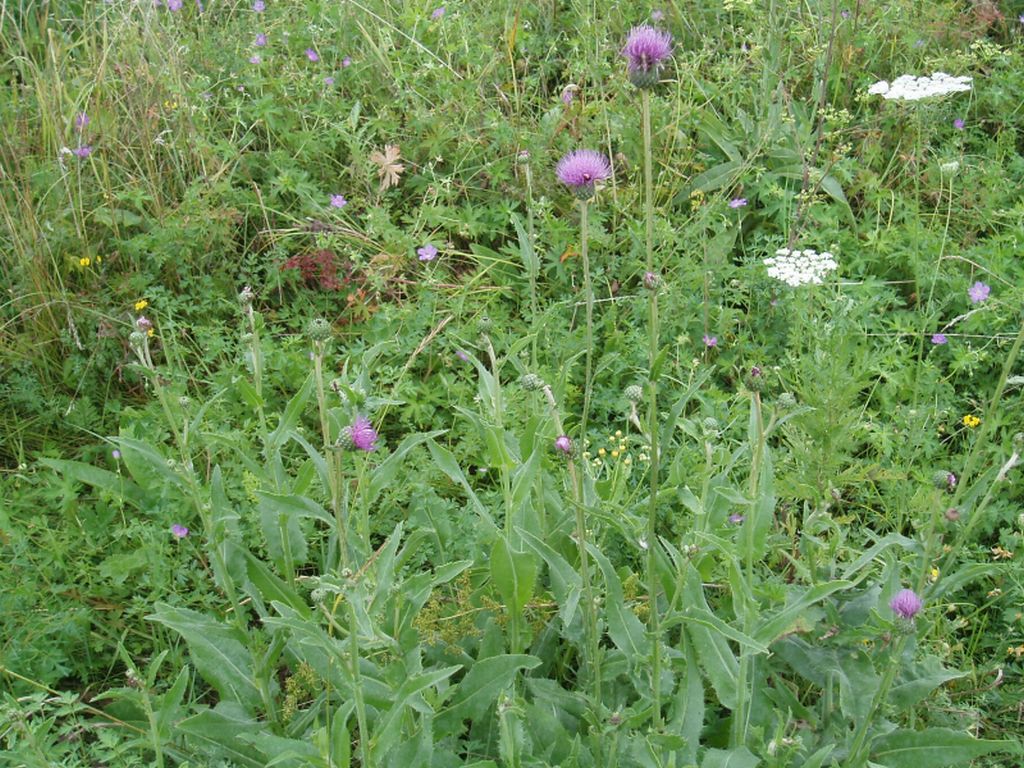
(261, 40)
(362, 435)
(978, 292)
(906, 604)
(179, 531)
(427, 252)
(338, 201)
(737, 202)
(582, 168)
(939, 338)
(312, 55)
(647, 48)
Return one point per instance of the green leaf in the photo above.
(687, 717)
(526, 252)
(222, 660)
(782, 622)
(834, 190)
(713, 651)
(271, 589)
(933, 748)
(513, 573)
(216, 733)
(116, 485)
(384, 474)
(291, 415)
(624, 628)
(446, 462)
(480, 688)
(740, 757)
(279, 518)
(566, 582)
(919, 680)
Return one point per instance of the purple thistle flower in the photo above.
(261, 40)
(567, 94)
(845, 14)
(939, 338)
(737, 202)
(259, 6)
(329, 81)
(959, 123)
(581, 169)
(255, 59)
(906, 604)
(81, 120)
(174, 5)
(462, 355)
(83, 151)
(115, 454)
(710, 341)
(312, 55)
(338, 201)
(438, 13)
(179, 531)
(736, 518)
(978, 292)
(646, 50)
(427, 252)
(347, 61)
(563, 444)
(362, 435)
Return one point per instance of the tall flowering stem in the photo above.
(589, 608)
(588, 290)
(652, 334)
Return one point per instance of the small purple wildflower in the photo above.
(710, 341)
(81, 120)
(329, 81)
(737, 202)
(312, 55)
(959, 123)
(83, 151)
(1021, 18)
(951, 481)
(362, 435)
(568, 94)
(581, 169)
(199, 6)
(906, 604)
(845, 14)
(438, 13)
(115, 454)
(255, 59)
(462, 355)
(261, 40)
(736, 518)
(174, 5)
(978, 292)
(179, 531)
(563, 444)
(657, 15)
(144, 324)
(259, 6)
(338, 201)
(427, 252)
(347, 61)
(939, 338)
(646, 50)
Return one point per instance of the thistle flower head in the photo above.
(361, 434)
(179, 531)
(906, 604)
(563, 444)
(581, 169)
(646, 50)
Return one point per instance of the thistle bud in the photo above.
(634, 393)
(532, 382)
(318, 330)
(245, 298)
(652, 281)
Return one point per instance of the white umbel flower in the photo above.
(795, 267)
(911, 88)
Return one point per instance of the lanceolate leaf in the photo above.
(934, 748)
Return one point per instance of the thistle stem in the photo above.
(654, 627)
(588, 290)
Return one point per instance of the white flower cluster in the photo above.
(910, 88)
(800, 267)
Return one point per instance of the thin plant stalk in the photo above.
(588, 290)
(589, 609)
(652, 335)
(858, 759)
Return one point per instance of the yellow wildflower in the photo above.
(85, 261)
(141, 304)
(971, 421)
(934, 574)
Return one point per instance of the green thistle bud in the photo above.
(634, 393)
(532, 382)
(318, 330)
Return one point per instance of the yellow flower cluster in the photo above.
(971, 421)
(141, 304)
